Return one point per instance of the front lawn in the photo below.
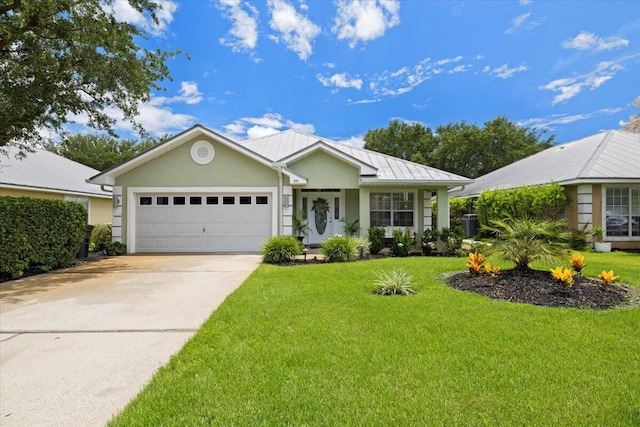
(311, 345)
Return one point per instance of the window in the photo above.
(262, 200)
(84, 201)
(622, 211)
(336, 207)
(195, 200)
(228, 200)
(146, 200)
(245, 200)
(392, 209)
(212, 200)
(179, 200)
(162, 200)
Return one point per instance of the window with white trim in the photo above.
(622, 211)
(391, 209)
(84, 201)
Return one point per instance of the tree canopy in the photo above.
(61, 58)
(100, 151)
(461, 148)
(633, 125)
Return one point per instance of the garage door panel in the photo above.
(204, 227)
(163, 214)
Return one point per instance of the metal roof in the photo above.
(390, 169)
(604, 157)
(43, 170)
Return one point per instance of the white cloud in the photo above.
(243, 35)
(330, 65)
(188, 94)
(365, 20)
(268, 124)
(568, 88)
(124, 12)
(393, 83)
(525, 2)
(365, 101)
(503, 71)
(589, 41)
(295, 29)
(340, 81)
(354, 141)
(563, 119)
(522, 22)
(155, 116)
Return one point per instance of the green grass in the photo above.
(312, 346)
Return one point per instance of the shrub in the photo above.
(281, 249)
(525, 240)
(363, 244)
(457, 208)
(577, 262)
(351, 227)
(402, 243)
(376, 239)
(115, 248)
(397, 282)
(563, 275)
(544, 202)
(340, 249)
(39, 234)
(100, 237)
(607, 277)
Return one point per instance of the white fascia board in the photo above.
(414, 183)
(294, 178)
(365, 168)
(600, 181)
(56, 191)
(108, 177)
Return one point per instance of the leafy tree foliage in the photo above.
(99, 151)
(633, 125)
(462, 148)
(69, 57)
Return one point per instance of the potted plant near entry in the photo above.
(427, 242)
(599, 245)
(300, 226)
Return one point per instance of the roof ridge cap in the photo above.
(596, 153)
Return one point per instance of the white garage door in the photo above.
(211, 222)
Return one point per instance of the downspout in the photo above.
(105, 190)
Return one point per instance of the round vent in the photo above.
(202, 152)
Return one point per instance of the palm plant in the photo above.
(525, 240)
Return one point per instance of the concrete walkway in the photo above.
(77, 345)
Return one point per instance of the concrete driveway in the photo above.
(77, 345)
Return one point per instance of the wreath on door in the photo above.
(320, 206)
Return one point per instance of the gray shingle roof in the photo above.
(606, 156)
(281, 145)
(47, 171)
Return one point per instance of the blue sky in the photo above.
(339, 68)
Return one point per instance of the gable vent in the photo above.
(202, 152)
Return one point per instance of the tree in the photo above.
(99, 151)
(70, 57)
(633, 125)
(462, 148)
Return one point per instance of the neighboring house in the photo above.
(601, 175)
(45, 175)
(202, 192)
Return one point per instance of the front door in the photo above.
(323, 211)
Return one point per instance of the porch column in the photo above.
(364, 212)
(287, 211)
(443, 208)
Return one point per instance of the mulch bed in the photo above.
(538, 288)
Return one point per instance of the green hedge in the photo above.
(38, 234)
(535, 202)
(457, 208)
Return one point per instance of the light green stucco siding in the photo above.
(352, 204)
(176, 168)
(322, 170)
